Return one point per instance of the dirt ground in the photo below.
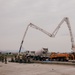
(35, 69)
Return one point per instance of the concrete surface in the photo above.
(35, 69)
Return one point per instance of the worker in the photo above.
(20, 59)
(5, 59)
(2, 58)
(12, 59)
(28, 59)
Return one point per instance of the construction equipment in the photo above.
(49, 34)
(41, 54)
(71, 35)
(36, 27)
(61, 56)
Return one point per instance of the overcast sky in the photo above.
(15, 15)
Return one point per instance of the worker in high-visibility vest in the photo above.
(20, 58)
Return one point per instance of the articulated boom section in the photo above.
(70, 31)
(42, 30)
(49, 34)
(73, 48)
(71, 35)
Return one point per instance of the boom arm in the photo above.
(42, 30)
(49, 34)
(36, 27)
(68, 24)
(23, 39)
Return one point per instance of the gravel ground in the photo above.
(35, 69)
